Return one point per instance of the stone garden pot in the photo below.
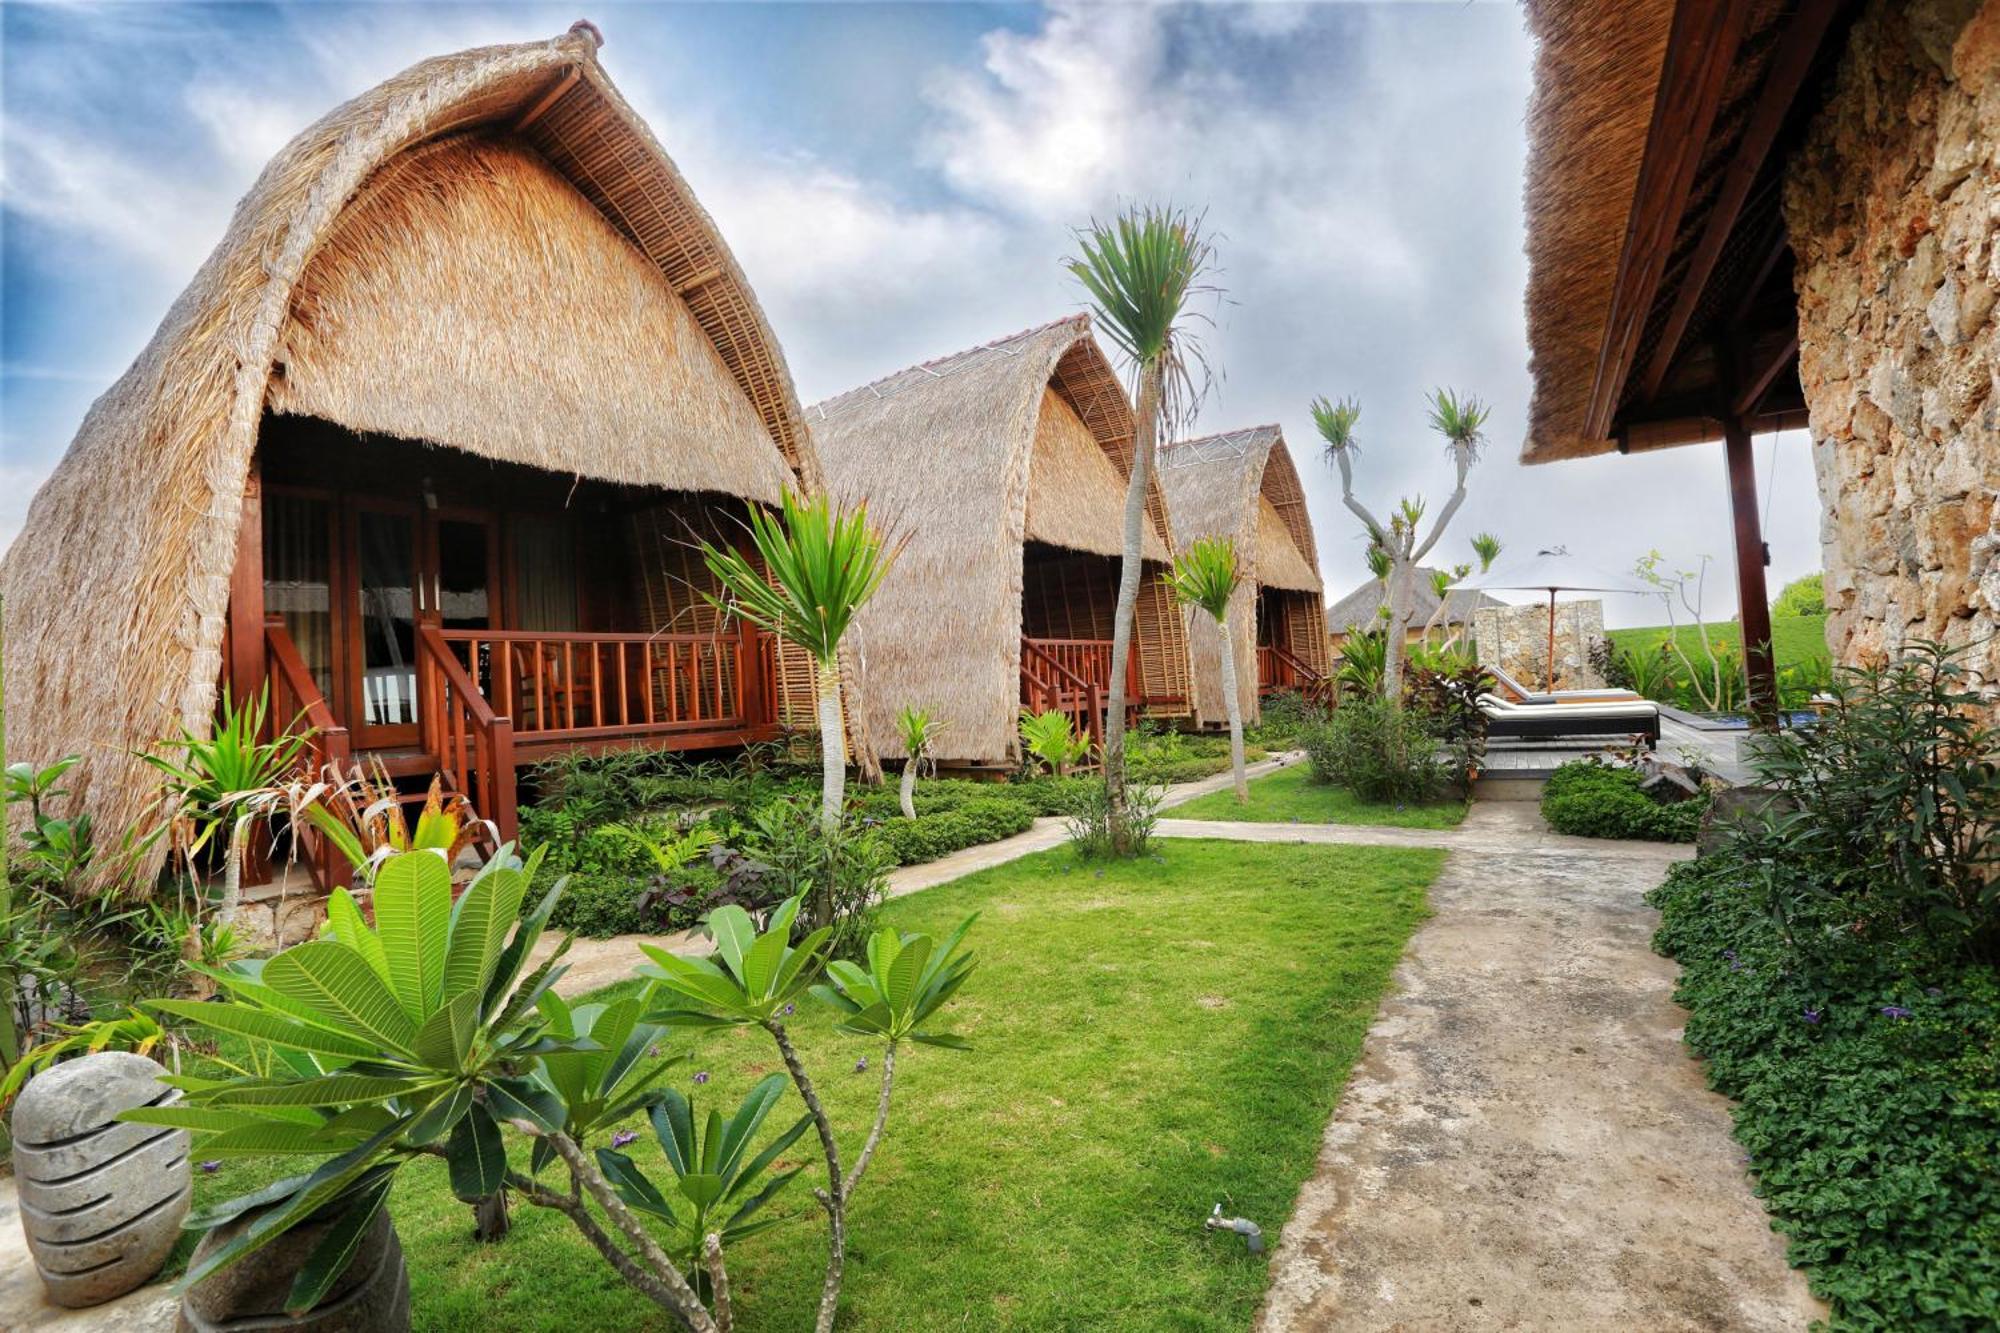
(372, 1296)
(101, 1200)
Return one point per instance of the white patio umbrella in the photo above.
(1551, 571)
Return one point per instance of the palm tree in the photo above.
(919, 731)
(1462, 422)
(1207, 576)
(1140, 271)
(824, 566)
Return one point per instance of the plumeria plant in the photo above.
(757, 979)
(430, 1034)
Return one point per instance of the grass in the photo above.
(1794, 639)
(1293, 796)
(1150, 1038)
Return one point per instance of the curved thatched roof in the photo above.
(117, 588)
(971, 457)
(1359, 607)
(1241, 484)
(1597, 66)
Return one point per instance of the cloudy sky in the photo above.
(901, 181)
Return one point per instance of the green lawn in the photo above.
(1150, 1038)
(1292, 796)
(1793, 638)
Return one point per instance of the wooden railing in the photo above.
(296, 701)
(1048, 685)
(472, 744)
(1279, 669)
(581, 687)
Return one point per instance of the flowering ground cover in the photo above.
(1149, 1038)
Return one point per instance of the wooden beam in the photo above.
(547, 100)
(1759, 378)
(1701, 51)
(1797, 51)
(1753, 608)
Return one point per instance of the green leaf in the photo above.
(447, 1034)
(204, 1219)
(702, 1188)
(479, 925)
(761, 1197)
(520, 1099)
(632, 1185)
(735, 934)
(905, 972)
(337, 1089)
(760, 964)
(201, 1119)
(673, 1126)
(344, 916)
(413, 921)
(742, 1126)
(441, 1116)
(329, 1259)
(241, 1020)
(337, 983)
(772, 1151)
(944, 1039)
(476, 1156)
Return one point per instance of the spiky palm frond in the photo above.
(1335, 422)
(1206, 575)
(1461, 420)
(1378, 558)
(1140, 270)
(1487, 547)
(824, 566)
(918, 729)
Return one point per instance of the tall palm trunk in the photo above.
(1400, 574)
(832, 748)
(1144, 438)
(1235, 710)
(909, 789)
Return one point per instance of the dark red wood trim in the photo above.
(1752, 600)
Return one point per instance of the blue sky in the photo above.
(900, 181)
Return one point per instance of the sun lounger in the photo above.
(1522, 694)
(1546, 721)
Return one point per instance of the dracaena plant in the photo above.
(919, 732)
(1207, 576)
(759, 978)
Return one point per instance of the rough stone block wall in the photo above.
(1516, 639)
(1892, 204)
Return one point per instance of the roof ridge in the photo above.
(818, 411)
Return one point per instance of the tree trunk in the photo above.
(861, 745)
(832, 749)
(1398, 629)
(1229, 693)
(490, 1221)
(909, 791)
(232, 874)
(1145, 431)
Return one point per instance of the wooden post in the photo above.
(1753, 604)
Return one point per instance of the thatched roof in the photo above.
(117, 587)
(970, 457)
(1243, 485)
(1658, 137)
(1358, 608)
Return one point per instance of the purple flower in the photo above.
(654, 1050)
(702, 1077)
(210, 1168)
(1812, 1015)
(861, 1065)
(789, 1010)
(623, 1137)
(1730, 954)
(1894, 1011)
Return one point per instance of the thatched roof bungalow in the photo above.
(1242, 485)
(411, 447)
(1759, 215)
(1005, 467)
(1362, 608)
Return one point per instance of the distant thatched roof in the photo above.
(1242, 485)
(971, 456)
(117, 588)
(1359, 607)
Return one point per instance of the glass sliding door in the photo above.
(383, 642)
(298, 577)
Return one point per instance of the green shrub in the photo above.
(1868, 1099)
(1802, 597)
(929, 836)
(1381, 753)
(599, 906)
(1592, 800)
(1281, 717)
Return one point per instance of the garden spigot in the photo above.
(1253, 1235)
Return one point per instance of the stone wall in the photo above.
(1516, 639)
(1892, 204)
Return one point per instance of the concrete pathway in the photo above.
(1525, 1142)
